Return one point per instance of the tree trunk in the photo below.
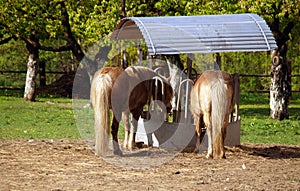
(279, 88)
(123, 14)
(32, 70)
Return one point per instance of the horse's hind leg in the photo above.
(135, 117)
(125, 117)
(207, 122)
(131, 140)
(224, 129)
(198, 133)
(114, 132)
(219, 150)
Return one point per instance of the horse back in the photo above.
(201, 91)
(113, 72)
(140, 73)
(210, 76)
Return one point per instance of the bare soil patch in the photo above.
(71, 165)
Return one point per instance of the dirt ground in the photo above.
(71, 165)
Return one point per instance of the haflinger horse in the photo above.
(124, 91)
(212, 101)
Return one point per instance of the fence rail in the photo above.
(264, 75)
(267, 91)
(21, 72)
(59, 72)
(11, 88)
(24, 72)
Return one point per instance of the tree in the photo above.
(35, 21)
(78, 24)
(26, 20)
(282, 16)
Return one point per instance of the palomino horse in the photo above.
(212, 99)
(123, 91)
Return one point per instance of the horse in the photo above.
(212, 101)
(123, 91)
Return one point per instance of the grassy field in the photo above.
(44, 119)
(53, 118)
(258, 127)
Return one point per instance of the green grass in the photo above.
(53, 118)
(44, 119)
(258, 127)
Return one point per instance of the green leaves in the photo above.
(91, 19)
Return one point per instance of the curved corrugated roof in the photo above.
(198, 34)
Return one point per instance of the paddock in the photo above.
(71, 165)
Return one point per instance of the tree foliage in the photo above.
(91, 20)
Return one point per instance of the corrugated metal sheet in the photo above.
(198, 34)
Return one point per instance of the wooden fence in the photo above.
(42, 78)
(266, 76)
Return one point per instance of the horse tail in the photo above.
(100, 95)
(218, 113)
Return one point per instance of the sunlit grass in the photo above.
(258, 127)
(54, 118)
(46, 118)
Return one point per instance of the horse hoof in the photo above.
(139, 145)
(209, 156)
(118, 153)
(131, 149)
(150, 144)
(220, 157)
(196, 151)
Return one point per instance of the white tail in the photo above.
(218, 113)
(100, 95)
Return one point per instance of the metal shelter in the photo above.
(198, 34)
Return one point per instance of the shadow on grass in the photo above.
(265, 112)
(261, 112)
